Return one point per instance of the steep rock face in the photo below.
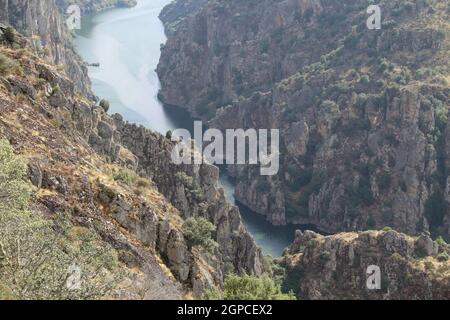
(44, 26)
(335, 267)
(150, 154)
(233, 48)
(362, 113)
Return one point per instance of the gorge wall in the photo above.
(335, 267)
(362, 113)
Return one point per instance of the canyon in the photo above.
(357, 154)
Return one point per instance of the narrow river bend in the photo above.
(126, 43)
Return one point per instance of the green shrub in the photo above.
(351, 41)
(191, 187)
(365, 79)
(265, 46)
(277, 35)
(198, 232)
(386, 229)
(104, 104)
(126, 176)
(443, 257)
(14, 190)
(56, 89)
(184, 179)
(7, 65)
(440, 241)
(10, 35)
(329, 106)
(143, 183)
(250, 288)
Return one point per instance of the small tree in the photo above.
(6, 65)
(250, 288)
(198, 232)
(10, 35)
(105, 105)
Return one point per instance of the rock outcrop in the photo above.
(336, 267)
(362, 115)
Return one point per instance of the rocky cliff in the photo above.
(45, 28)
(362, 113)
(335, 267)
(110, 176)
(44, 25)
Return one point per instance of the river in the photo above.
(126, 43)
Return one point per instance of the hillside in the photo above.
(112, 179)
(362, 113)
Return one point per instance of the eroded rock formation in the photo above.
(335, 267)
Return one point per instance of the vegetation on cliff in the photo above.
(249, 288)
